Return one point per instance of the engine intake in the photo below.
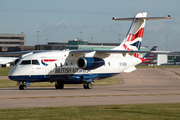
(90, 63)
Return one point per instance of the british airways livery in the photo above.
(83, 66)
(149, 56)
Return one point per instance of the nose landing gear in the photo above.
(22, 87)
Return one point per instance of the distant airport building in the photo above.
(12, 42)
(78, 44)
(168, 59)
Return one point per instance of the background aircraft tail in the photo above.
(150, 55)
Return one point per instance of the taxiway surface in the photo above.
(145, 85)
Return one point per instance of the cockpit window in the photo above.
(25, 62)
(35, 62)
(29, 62)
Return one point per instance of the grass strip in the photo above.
(4, 71)
(169, 111)
(163, 66)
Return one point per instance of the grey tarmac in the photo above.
(145, 85)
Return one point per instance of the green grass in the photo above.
(165, 66)
(4, 71)
(10, 83)
(168, 111)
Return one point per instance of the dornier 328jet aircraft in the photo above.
(83, 66)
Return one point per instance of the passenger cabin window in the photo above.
(35, 62)
(26, 62)
(109, 63)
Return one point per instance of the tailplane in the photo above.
(134, 36)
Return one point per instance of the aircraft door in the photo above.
(47, 67)
(36, 68)
(25, 65)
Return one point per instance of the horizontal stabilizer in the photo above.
(147, 18)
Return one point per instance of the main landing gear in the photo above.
(59, 85)
(87, 85)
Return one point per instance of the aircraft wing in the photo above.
(19, 53)
(117, 51)
(106, 53)
(87, 53)
(5, 60)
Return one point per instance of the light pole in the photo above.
(38, 39)
(119, 38)
(92, 39)
(47, 41)
(81, 35)
(167, 43)
(23, 41)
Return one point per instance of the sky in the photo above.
(63, 20)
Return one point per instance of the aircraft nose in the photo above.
(11, 73)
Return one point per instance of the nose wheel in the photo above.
(22, 87)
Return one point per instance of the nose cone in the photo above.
(12, 73)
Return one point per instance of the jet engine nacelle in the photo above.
(90, 63)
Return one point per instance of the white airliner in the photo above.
(83, 66)
(6, 60)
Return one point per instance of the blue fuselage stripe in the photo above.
(66, 79)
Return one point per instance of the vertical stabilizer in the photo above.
(150, 56)
(134, 36)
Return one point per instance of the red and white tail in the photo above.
(149, 56)
(134, 36)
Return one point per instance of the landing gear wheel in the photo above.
(22, 87)
(59, 86)
(87, 85)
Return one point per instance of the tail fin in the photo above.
(134, 36)
(149, 56)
